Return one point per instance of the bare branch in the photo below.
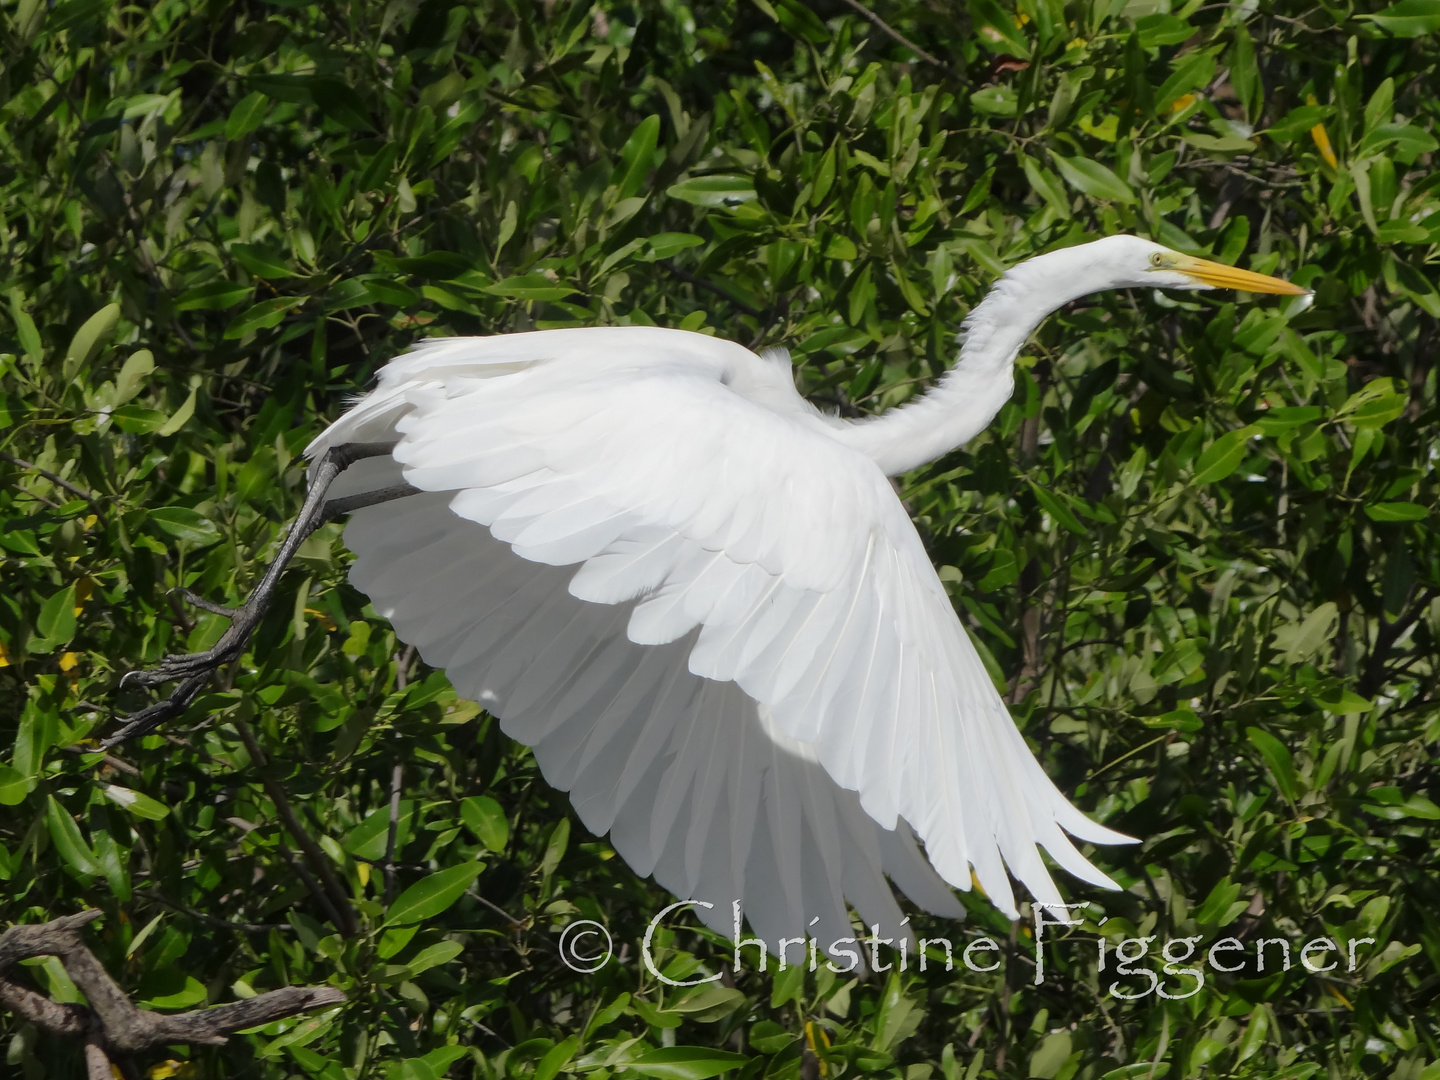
(885, 28)
(113, 1027)
(332, 893)
(89, 496)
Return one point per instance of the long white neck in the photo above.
(969, 395)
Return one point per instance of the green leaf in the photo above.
(769, 1037)
(347, 294)
(1047, 185)
(1277, 759)
(185, 524)
(686, 1063)
(1409, 18)
(1392, 804)
(1345, 703)
(138, 420)
(25, 327)
(1298, 122)
(996, 101)
(1223, 456)
(484, 817)
(1408, 140)
(1178, 720)
(1091, 178)
(137, 367)
(180, 416)
(1050, 1056)
(1375, 404)
(1301, 640)
(1192, 70)
(716, 189)
(192, 994)
(530, 287)
(1396, 511)
(803, 23)
(1145, 1070)
(431, 895)
(555, 847)
(556, 1058)
(92, 336)
(340, 103)
(1161, 29)
(137, 802)
(706, 1004)
(637, 155)
(998, 29)
(1223, 144)
(441, 952)
(212, 296)
(14, 786)
(247, 115)
(56, 621)
(369, 839)
(262, 316)
(1055, 506)
(260, 262)
(68, 840)
(667, 245)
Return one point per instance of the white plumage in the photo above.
(702, 604)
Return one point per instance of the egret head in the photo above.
(1136, 263)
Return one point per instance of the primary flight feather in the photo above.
(699, 599)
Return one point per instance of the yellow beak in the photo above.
(1221, 276)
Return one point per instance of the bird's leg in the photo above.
(191, 671)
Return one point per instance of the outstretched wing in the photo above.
(741, 543)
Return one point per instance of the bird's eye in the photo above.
(1157, 259)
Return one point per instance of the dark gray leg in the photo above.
(193, 670)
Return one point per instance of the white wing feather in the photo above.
(789, 613)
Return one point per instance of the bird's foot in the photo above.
(190, 670)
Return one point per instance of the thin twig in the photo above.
(90, 497)
(710, 286)
(109, 760)
(397, 777)
(338, 902)
(397, 780)
(886, 28)
(211, 920)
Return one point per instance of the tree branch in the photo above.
(89, 496)
(113, 1027)
(885, 28)
(332, 893)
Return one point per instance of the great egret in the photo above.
(698, 598)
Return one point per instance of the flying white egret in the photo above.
(699, 600)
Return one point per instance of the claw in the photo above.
(193, 670)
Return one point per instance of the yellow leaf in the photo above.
(1184, 101)
(69, 661)
(811, 1030)
(83, 590)
(4, 656)
(362, 870)
(1322, 139)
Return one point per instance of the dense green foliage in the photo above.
(1199, 548)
